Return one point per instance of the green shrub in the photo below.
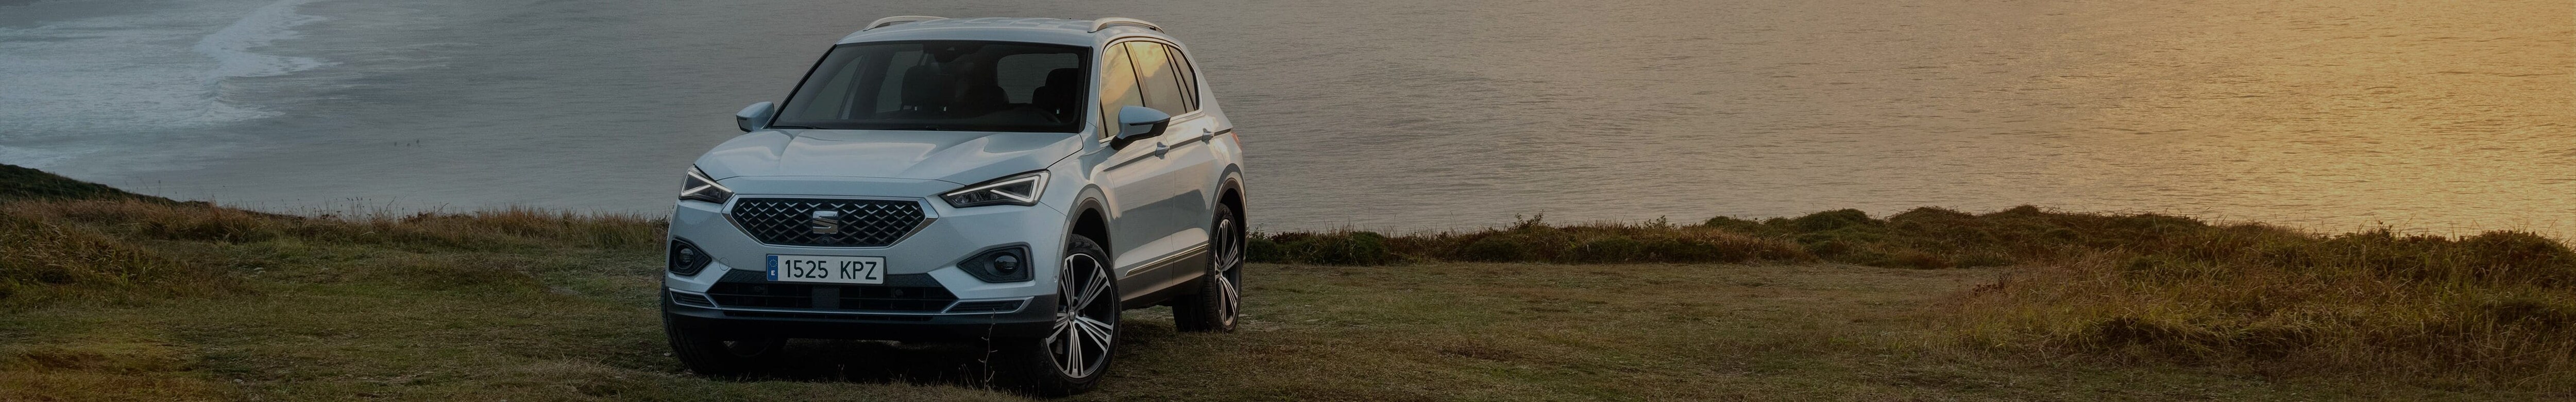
(1612, 248)
(1259, 248)
(2519, 257)
(1506, 247)
(1337, 248)
(1732, 224)
(1831, 220)
(1931, 215)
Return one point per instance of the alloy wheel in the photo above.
(1229, 270)
(1086, 317)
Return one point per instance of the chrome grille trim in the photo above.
(865, 222)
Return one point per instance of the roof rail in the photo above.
(883, 22)
(1104, 23)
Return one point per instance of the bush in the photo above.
(1259, 248)
(1831, 220)
(2519, 257)
(1335, 248)
(1507, 247)
(1613, 248)
(1531, 240)
(1733, 225)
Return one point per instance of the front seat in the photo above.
(1062, 94)
(926, 91)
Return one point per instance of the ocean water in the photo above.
(1383, 115)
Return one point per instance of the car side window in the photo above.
(1117, 88)
(1189, 78)
(1154, 74)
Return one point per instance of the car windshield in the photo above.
(943, 85)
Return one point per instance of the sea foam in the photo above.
(231, 47)
(83, 87)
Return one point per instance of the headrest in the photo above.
(925, 86)
(1065, 77)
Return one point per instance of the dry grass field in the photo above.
(112, 296)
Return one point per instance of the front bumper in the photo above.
(1036, 320)
(925, 261)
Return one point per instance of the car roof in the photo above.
(1036, 30)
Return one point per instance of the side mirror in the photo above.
(754, 117)
(1138, 122)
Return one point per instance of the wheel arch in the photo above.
(1090, 219)
(1229, 190)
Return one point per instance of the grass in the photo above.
(2493, 310)
(106, 295)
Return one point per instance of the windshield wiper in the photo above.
(918, 128)
(796, 127)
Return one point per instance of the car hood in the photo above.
(962, 157)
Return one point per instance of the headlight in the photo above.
(1020, 189)
(701, 188)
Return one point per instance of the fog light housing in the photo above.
(686, 259)
(1007, 264)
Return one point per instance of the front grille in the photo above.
(759, 314)
(928, 299)
(859, 223)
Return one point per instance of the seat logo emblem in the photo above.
(825, 222)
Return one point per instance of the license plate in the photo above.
(826, 269)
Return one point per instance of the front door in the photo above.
(1136, 179)
(1189, 162)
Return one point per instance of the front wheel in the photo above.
(1072, 356)
(1219, 299)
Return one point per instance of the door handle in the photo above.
(1159, 148)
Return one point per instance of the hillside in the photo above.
(106, 295)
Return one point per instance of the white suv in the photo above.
(1016, 182)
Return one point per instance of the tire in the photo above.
(714, 352)
(1087, 311)
(1219, 299)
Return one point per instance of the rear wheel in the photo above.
(1072, 356)
(1219, 299)
(712, 351)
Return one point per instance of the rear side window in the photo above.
(1189, 78)
(1117, 88)
(1154, 73)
